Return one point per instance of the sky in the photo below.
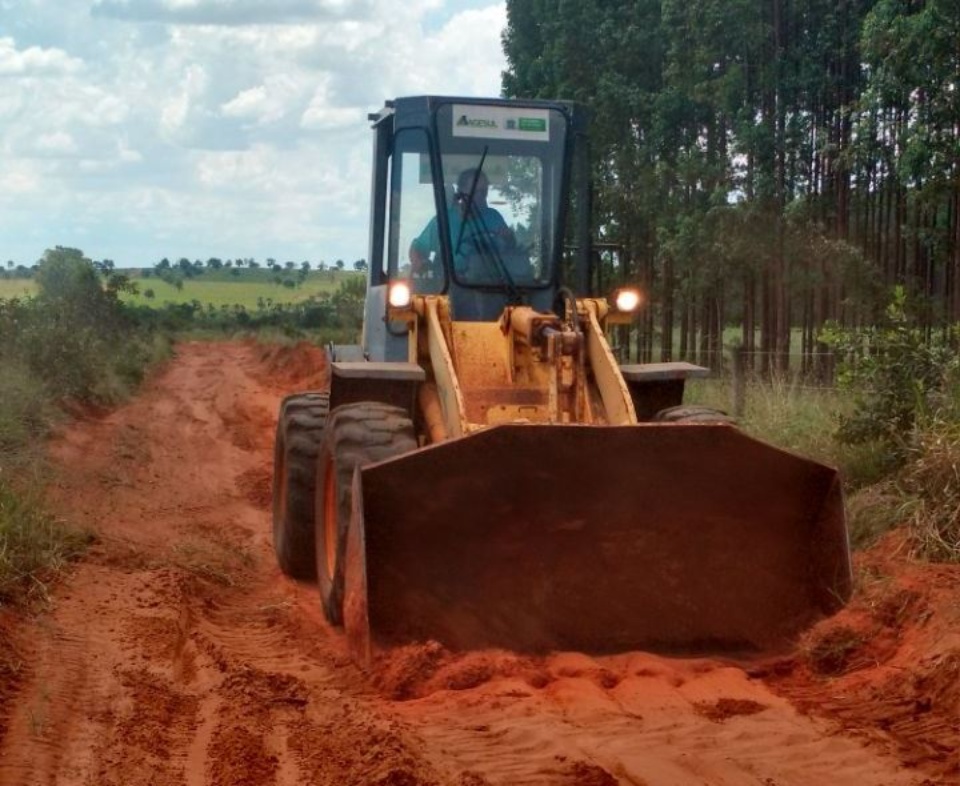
(141, 129)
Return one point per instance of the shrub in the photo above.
(25, 411)
(899, 375)
(67, 278)
(76, 337)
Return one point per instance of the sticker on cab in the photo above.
(501, 122)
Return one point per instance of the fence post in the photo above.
(738, 357)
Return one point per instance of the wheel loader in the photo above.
(483, 472)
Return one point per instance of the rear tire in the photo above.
(693, 413)
(299, 430)
(356, 435)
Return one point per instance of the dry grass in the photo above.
(875, 510)
(830, 651)
(923, 494)
(35, 547)
(800, 418)
(931, 480)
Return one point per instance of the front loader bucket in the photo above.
(678, 538)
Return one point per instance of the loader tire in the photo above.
(356, 435)
(693, 413)
(299, 429)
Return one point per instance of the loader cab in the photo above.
(469, 200)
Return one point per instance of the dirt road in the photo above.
(176, 652)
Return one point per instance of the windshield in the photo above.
(501, 172)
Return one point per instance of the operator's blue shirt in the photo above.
(483, 226)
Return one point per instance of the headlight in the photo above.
(627, 299)
(399, 294)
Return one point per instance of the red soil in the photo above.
(175, 652)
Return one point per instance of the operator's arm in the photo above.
(423, 245)
(417, 258)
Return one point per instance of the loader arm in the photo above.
(525, 367)
(613, 388)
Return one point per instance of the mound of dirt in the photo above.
(302, 366)
(887, 668)
(415, 671)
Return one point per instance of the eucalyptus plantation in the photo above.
(768, 165)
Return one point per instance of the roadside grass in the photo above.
(34, 546)
(830, 651)
(882, 491)
(70, 347)
(874, 510)
(930, 486)
(799, 418)
(26, 412)
(73, 337)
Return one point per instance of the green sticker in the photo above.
(537, 124)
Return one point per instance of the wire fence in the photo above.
(810, 370)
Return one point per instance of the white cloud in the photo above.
(267, 102)
(34, 60)
(323, 113)
(249, 170)
(216, 127)
(56, 143)
(228, 12)
(319, 117)
(17, 179)
(176, 109)
(247, 103)
(469, 46)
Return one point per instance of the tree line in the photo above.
(191, 267)
(774, 165)
(187, 268)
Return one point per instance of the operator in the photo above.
(476, 231)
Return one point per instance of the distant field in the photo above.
(19, 287)
(218, 288)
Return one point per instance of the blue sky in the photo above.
(138, 129)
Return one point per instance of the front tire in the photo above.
(693, 413)
(300, 427)
(356, 435)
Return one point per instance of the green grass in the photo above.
(786, 414)
(25, 410)
(220, 288)
(923, 496)
(17, 287)
(799, 418)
